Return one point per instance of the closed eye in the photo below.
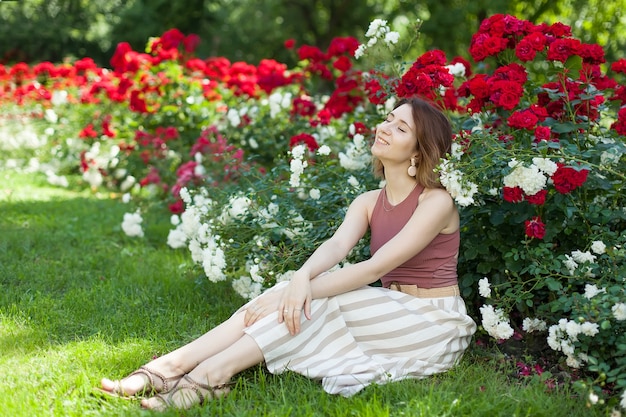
(390, 119)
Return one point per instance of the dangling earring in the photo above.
(412, 171)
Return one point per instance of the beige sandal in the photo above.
(161, 385)
(202, 391)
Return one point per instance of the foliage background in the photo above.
(51, 30)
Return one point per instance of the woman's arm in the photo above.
(352, 229)
(296, 297)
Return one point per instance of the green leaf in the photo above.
(497, 218)
(574, 63)
(554, 285)
(564, 127)
(470, 253)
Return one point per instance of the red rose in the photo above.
(512, 194)
(538, 198)
(542, 133)
(566, 179)
(360, 128)
(311, 53)
(561, 49)
(592, 53)
(539, 111)
(506, 94)
(433, 57)
(535, 228)
(303, 106)
(619, 65)
(414, 83)
(306, 139)
(523, 119)
(620, 125)
(525, 51)
(493, 25)
(177, 207)
(513, 25)
(191, 42)
(290, 43)
(119, 60)
(342, 63)
(106, 127)
(170, 39)
(559, 30)
(475, 105)
(619, 94)
(476, 48)
(341, 46)
(478, 86)
(375, 92)
(495, 45)
(537, 39)
(88, 132)
(513, 72)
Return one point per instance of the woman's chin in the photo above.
(377, 149)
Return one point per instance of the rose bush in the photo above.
(544, 149)
(258, 163)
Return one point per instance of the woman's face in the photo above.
(395, 137)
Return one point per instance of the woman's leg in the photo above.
(214, 371)
(185, 358)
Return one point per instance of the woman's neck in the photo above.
(399, 188)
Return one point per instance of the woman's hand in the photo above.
(264, 305)
(296, 299)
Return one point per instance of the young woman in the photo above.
(333, 326)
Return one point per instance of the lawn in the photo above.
(80, 300)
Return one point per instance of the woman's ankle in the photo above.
(167, 366)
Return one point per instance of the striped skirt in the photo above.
(366, 336)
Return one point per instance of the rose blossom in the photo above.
(495, 323)
(512, 194)
(538, 198)
(598, 247)
(523, 119)
(535, 228)
(591, 290)
(533, 325)
(619, 311)
(567, 179)
(484, 288)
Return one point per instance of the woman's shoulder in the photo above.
(369, 196)
(440, 201)
(367, 199)
(437, 195)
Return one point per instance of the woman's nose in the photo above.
(384, 129)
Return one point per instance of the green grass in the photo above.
(79, 300)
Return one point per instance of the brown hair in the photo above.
(433, 134)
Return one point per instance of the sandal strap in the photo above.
(150, 374)
(210, 388)
(195, 386)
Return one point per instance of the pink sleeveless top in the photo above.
(433, 267)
